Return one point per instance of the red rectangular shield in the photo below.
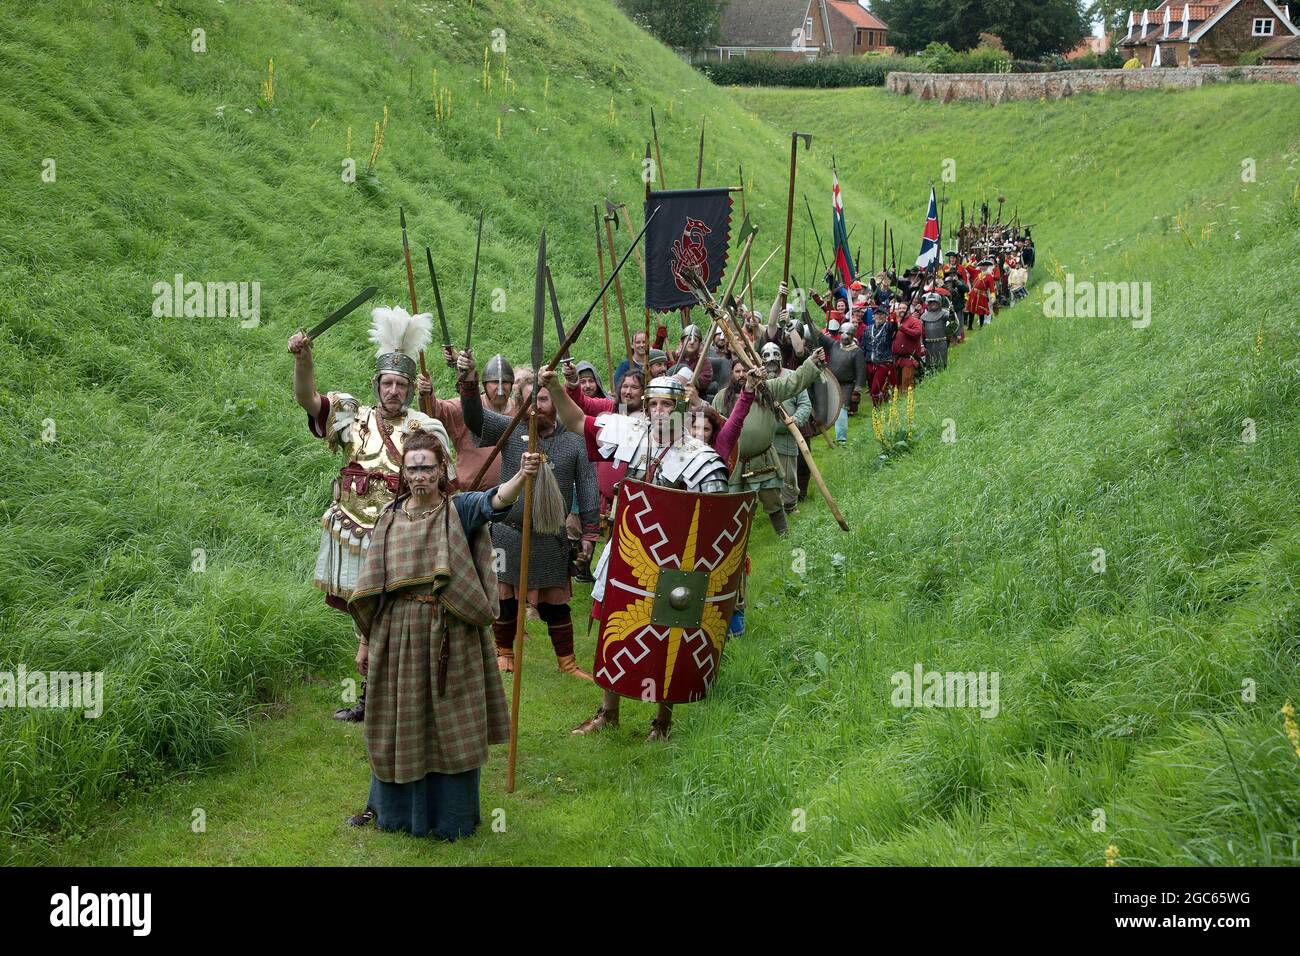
(675, 566)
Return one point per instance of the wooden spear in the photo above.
(426, 401)
(659, 160)
(744, 350)
(789, 203)
(618, 291)
(569, 339)
(526, 530)
(749, 281)
(604, 306)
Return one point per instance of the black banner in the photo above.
(693, 229)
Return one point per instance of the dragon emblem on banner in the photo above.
(689, 252)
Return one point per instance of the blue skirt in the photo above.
(445, 805)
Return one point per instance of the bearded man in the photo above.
(566, 473)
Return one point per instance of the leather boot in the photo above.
(357, 712)
(569, 665)
(506, 660)
(659, 730)
(603, 718)
(583, 573)
(362, 818)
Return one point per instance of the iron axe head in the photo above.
(611, 212)
(806, 137)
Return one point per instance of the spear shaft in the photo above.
(426, 401)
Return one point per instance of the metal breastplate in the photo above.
(360, 499)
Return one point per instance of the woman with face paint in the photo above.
(422, 606)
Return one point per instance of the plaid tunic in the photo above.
(412, 730)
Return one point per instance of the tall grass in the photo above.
(171, 436)
(1121, 691)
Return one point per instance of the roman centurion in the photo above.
(667, 581)
(371, 438)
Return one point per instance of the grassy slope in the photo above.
(174, 435)
(1110, 682)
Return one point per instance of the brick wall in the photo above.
(994, 88)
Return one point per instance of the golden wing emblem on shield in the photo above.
(637, 614)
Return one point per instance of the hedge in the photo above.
(833, 72)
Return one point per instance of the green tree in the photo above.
(1029, 28)
(688, 25)
(1111, 14)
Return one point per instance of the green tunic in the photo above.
(756, 456)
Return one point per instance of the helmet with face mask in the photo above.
(771, 354)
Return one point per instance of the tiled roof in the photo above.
(761, 23)
(856, 15)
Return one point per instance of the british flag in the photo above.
(930, 238)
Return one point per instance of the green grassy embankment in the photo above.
(1121, 691)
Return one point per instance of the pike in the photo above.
(747, 232)
(555, 311)
(749, 279)
(473, 286)
(824, 431)
(426, 401)
(943, 201)
(627, 226)
(884, 248)
(659, 160)
(749, 285)
(745, 352)
(569, 339)
(341, 313)
(612, 209)
(525, 539)
(604, 307)
(789, 204)
(821, 256)
(699, 163)
(437, 300)
(612, 215)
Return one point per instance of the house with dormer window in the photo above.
(1196, 34)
